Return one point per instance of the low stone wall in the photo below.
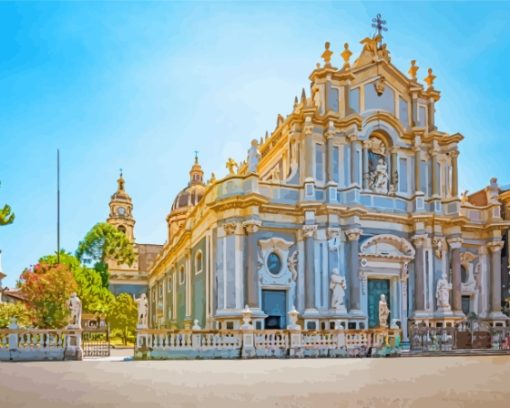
(39, 345)
(231, 344)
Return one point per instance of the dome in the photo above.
(193, 193)
(188, 197)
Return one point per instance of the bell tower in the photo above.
(121, 210)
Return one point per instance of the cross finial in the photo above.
(196, 156)
(378, 23)
(121, 172)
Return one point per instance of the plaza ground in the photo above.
(390, 382)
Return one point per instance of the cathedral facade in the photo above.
(351, 199)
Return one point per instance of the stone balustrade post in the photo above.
(13, 337)
(248, 334)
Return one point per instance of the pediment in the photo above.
(387, 246)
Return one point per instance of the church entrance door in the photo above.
(274, 304)
(376, 288)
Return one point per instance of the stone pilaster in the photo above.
(417, 165)
(251, 293)
(365, 175)
(354, 267)
(329, 134)
(308, 139)
(394, 169)
(433, 170)
(309, 234)
(455, 173)
(455, 246)
(419, 273)
(354, 163)
(495, 277)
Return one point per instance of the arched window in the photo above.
(198, 262)
(122, 228)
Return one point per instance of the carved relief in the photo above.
(439, 244)
(229, 228)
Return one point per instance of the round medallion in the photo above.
(121, 211)
(274, 263)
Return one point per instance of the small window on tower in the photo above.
(122, 228)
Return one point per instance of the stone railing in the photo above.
(17, 344)
(250, 343)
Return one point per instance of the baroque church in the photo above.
(354, 195)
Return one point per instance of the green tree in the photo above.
(123, 316)
(48, 288)
(94, 296)
(6, 215)
(16, 310)
(102, 243)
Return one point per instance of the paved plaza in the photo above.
(391, 382)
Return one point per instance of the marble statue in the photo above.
(143, 310)
(443, 294)
(292, 263)
(75, 308)
(317, 99)
(493, 191)
(384, 312)
(380, 177)
(253, 156)
(337, 285)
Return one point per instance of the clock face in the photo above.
(121, 211)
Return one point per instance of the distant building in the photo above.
(124, 278)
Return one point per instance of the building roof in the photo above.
(192, 194)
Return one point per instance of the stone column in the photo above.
(495, 277)
(455, 245)
(365, 175)
(455, 174)
(330, 133)
(417, 165)
(403, 301)
(433, 171)
(309, 233)
(431, 115)
(419, 273)
(251, 288)
(347, 98)
(394, 168)
(354, 265)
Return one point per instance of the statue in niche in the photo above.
(443, 294)
(143, 309)
(384, 312)
(337, 285)
(379, 177)
(253, 156)
(75, 308)
(292, 263)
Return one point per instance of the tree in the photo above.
(102, 243)
(48, 288)
(6, 216)
(123, 316)
(94, 296)
(14, 310)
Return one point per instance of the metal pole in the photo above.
(58, 206)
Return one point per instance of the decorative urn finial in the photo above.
(346, 55)
(413, 70)
(326, 55)
(429, 79)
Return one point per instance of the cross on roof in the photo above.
(196, 156)
(378, 23)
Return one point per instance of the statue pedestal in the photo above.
(73, 349)
(445, 311)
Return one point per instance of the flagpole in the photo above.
(58, 206)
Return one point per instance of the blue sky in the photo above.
(142, 85)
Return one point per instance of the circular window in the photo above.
(274, 263)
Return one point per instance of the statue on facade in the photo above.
(75, 308)
(143, 310)
(292, 263)
(231, 165)
(337, 285)
(253, 156)
(493, 191)
(443, 294)
(379, 177)
(384, 312)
